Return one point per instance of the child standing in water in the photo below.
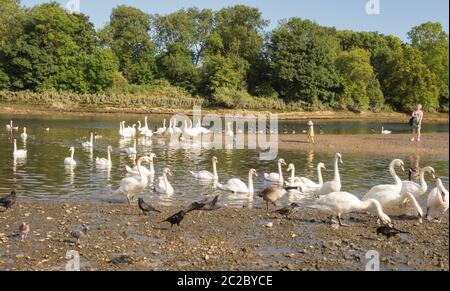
(310, 132)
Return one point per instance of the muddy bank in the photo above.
(396, 145)
(319, 115)
(228, 239)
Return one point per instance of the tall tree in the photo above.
(127, 35)
(431, 39)
(189, 27)
(361, 88)
(177, 67)
(301, 59)
(411, 83)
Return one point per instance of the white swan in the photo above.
(163, 186)
(338, 203)
(229, 131)
(437, 199)
(206, 175)
(24, 134)
(306, 184)
(161, 130)
(276, 177)
(147, 172)
(394, 188)
(69, 161)
(126, 132)
(390, 196)
(90, 143)
(103, 161)
(145, 128)
(176, 129)
(335, 184)
(169, 130)
(19, 154)
(418, 189)
(10, 125)
(385, 132)
(131, 186)
(131, 150)
(237, 186)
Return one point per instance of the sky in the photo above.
(395, 17)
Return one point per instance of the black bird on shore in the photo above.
(8, 201)
(389, 232)
(205, 205)
(175, 219)
(285, 211)
(146, 208)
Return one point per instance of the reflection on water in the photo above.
(43, 174)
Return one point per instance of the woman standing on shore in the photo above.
(417, 118)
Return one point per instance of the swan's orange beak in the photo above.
(402, 167)
(433, 174)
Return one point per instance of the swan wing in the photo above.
(236, 185)
(274, 177)
(412, 187)
(205, 175)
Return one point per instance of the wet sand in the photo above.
(395, 145)
(228, 239)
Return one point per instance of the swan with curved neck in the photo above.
(237, 186)
(132, 186)
(276, 177)
(19, 154)
(335, 184)
(90, 143)
(162, 130)
(163, 186)
(24, 134)
(69, 161)
(437, 200)
(395, 188)
(418, 189)
(307, 184)
(206, 175)
(337, 204)
(391, 197)
(103, 161)
(229, 131)
(148, 172)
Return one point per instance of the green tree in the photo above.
(301, 60)
(127, 35)
(412, 82)
(361, 88)
(238, 32)
(431, 39)
(189, 27)
(177, 67)
(219, 71)
(101, 67)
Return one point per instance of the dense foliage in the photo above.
(222, 58)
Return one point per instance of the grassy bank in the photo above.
(169, 100)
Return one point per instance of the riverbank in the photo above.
(120, 238)
(395, 145)
(300, 115)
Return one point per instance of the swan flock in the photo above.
(327, 196)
